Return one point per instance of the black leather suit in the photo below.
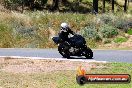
(64, 35)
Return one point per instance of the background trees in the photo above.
(125, 5)
(74, 5)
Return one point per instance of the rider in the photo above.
(66, 34)
(65, 31)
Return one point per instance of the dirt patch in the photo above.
(35, 66)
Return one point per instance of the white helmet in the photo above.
(64, 25)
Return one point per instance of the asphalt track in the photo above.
(99, 55)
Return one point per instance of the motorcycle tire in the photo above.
(88, 53)
(63, 49)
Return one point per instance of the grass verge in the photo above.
(59, 76)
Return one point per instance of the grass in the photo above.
(129, 31)
(120, 40)
(63, 78)
(35, 29)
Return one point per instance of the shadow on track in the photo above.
(78, 58)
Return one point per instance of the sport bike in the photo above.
(75, 46)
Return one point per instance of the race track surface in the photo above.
(99, 55)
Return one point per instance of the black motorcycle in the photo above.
(75, 46)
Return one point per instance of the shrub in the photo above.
(26, 31)
(108, 31)
(91, 43)
(106, 19)
(123, 24)
(90, 33)
(129, 23)
(120, 40)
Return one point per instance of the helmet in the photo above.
(64, 25)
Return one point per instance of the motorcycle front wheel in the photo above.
(63, 49)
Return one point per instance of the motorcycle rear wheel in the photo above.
(88, 53)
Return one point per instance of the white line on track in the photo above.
(59, 59)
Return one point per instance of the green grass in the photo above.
(63, 79)
(120, 40)
(129, 31)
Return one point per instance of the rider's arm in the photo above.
(70, 31)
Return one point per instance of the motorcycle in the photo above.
(76, 46)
